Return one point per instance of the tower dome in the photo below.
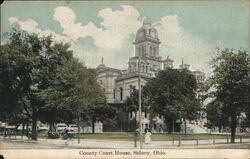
(147, 32)
(146, 21)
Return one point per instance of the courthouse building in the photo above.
(118, 84)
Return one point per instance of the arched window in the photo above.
(130, 68)
(146, 69)
(154, 51)
(121, 93)
(143, 68)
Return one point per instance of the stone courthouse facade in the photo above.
(118, 84)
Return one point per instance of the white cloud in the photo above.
(91, 57)
(178, 43)
(31, 26)
(13, 20)
(116, 26)
(123, 22)
(65, 16)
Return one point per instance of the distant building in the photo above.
(118, 84)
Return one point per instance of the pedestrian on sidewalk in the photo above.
(148, 137)
(66, 136)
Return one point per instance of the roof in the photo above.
(102, 68)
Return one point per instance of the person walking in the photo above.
(148, 137)
(66, 136)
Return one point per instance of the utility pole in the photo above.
(139, 103)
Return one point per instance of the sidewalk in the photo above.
(111, 144)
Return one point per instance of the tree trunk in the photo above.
(233, 127)
(169, 125)
(173, 130)
(185, 122)
(52, 127)
(220, 128)
(93, 125)
(34, 124)
(27, 128)
(23, 125)
(136, 125)
(15, 131)
(78, 126)
(121, 127)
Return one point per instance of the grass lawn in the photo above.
(129, 136)
(155, 137)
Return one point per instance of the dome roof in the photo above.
(147, 31)
(146, 21)
(168, 60)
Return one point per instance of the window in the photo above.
(103, 89)
(114, 93)
(131, 115)
(143, 68)
(149, 32)
(142, 51)
(150, 50)
(154, 51)
(121, 94)
(146, 69)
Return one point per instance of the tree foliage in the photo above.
(231, 82)
(216, 115)
(40, 79)
(173, 94)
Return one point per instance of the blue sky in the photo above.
(187, 29)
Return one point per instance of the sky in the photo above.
(187, 29)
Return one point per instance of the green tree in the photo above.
(216, 115)
(42, 80)
(173, 94)
(75, 93)
(231, 82)
(131, 104)
(20, 63)
(99, 112)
